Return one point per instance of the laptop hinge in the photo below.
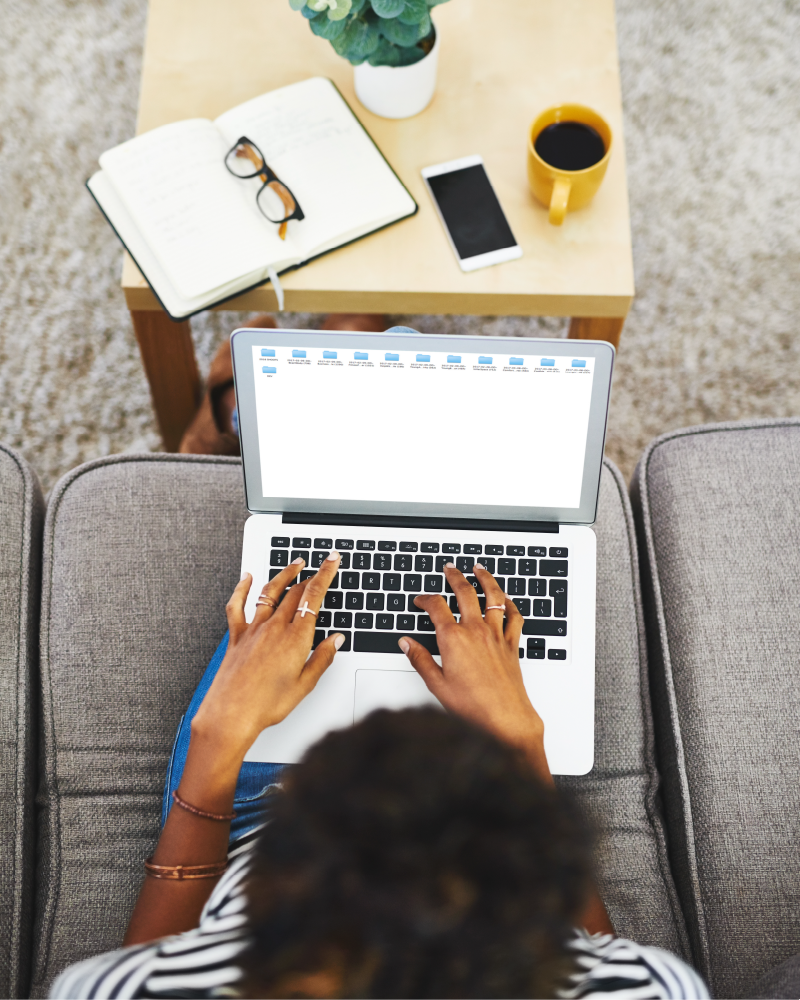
(437, 523)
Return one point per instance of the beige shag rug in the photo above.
(713, 141)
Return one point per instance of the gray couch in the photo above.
(694, 795)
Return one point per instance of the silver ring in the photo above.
(304, 610)
(266, 602)
(496, 607)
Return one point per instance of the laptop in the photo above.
(404, 451)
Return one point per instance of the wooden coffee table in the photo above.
(501, 62)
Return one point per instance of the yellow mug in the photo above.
(558, 189)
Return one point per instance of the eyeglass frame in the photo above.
(270, 177)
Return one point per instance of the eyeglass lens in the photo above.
(244, 160)
(276, 201)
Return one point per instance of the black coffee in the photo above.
(570, 146)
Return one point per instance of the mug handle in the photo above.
(558, 200)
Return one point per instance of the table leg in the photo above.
(596, 328)
(168, 358)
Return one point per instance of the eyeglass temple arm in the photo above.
(277, 187)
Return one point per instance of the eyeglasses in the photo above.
(275, 200)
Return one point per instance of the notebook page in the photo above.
(189, 209)
(316, 146)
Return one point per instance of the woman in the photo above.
(418, 854)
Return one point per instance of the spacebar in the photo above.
(386, 642)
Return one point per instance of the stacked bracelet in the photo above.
(220, 817)
(180, 873)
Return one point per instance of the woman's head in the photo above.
(415, 856)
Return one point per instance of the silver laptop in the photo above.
(404, 451)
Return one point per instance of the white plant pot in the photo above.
(398, 91)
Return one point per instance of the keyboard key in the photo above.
(395, 602)
(273, 573)
(306, 574)
(523, 606)
(475, 583)
(347, 644)
(527, 567)
(323, 543)
(344, 543)
(387, 546)
(386, 642)
(535, 626)
(391, 581)
(558, 591)
(453, 602)
(537, 550)
(558, 588)
(412, 582)
(556, 552)
(343, 619)
(482, 603)
(303, 554)
(402, 563)
(351, 581)
(508, 567)
(423, 564)
(319, 635)
(354, 600)
(488, 564)
(424, 624)
(406, 623)
(318, 558)
(494, 550)
(408, 546)
(453, 548)
(334, 599)
(433, 584)
(521, 652)
(553, 567)
(324, 619)
(370, 581)
(516, 587)
(364, 620)
(465, 563)
(556, 654)
(537, 588)
(535, 643)
(301, 543)
(473, 550)
(279, 557)
(429, 547)
(410, 602)
(542, 609)
(365, 545)
(375, 602)
(362, 560)
(515, 550)
(384, 621)
(382, 561)
(280, 542)
(344, 560)
(535, 654)
(441, 562)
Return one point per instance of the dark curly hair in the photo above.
(415, 856)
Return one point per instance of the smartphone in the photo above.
(473, 220)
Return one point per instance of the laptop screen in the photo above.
(405, 426)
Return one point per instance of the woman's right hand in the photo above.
(480, 677)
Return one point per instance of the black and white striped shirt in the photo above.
(202, 962)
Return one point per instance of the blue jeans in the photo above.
(256, 781)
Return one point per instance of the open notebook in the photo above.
(196, 232)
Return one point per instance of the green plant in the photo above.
(380, 32)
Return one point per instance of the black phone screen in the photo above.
(471, 211)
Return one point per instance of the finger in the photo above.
(425, 665)
(288, 606)
(234, 609)
(273, 591)
(495, 599)
(468, 605)
(315, 591)
(514, 625)
(320, 660)
(435, 606)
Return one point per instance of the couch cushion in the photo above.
(620, 794)
(717, 508)
(21, 519)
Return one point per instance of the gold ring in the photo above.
(266, 602)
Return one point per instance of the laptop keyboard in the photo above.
(371, 599)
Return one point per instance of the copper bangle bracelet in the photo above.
(219, 817)
(182, 873)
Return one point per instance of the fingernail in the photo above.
(244, 576)
(449, 565)
(479, 566)
(338, 640)
(405, 645)
(333, 556)
(299, 560)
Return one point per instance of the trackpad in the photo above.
(391, 689)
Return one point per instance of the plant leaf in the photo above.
(297, 4)
(399, 33)
(386, 54)
(432, 3)
(317, 5)
(414, 11)
(408, 55)
(388, 8)
(340, 11)
(357, 6)
(358, 41)
(326, 27)
(309, 13)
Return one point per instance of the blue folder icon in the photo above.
(484, 361)
(330, 355)
(515, 361)
(298, 354)
(269, 371)
(392, 357)
(267, 352)
(548, 362)
(578, 364)
(361, 356)
(424, 358)
(454, 359)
